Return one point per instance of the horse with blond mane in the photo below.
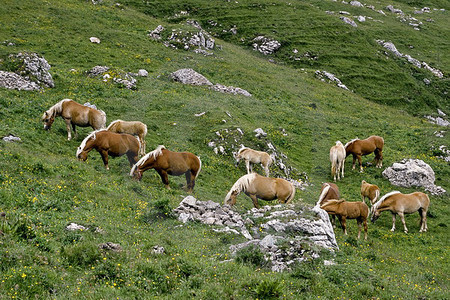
(135, 128)
(329, 191)
(401, 204)
(359, 148)
(254, 157)
(371, 191)
(74, 114)
(337, 158)
(259, 187)
(109, 143)
(166, 163)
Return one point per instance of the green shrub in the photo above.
(82, 254)
(251, 255)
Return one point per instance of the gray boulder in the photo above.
(36, 68)
(349, 21)
(265, 45)
(189, 76)
(413, 173)
(14, 81)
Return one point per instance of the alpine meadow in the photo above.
(287, 77)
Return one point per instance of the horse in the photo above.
(254, 157)
(329, 191)
(348, 210)
(135, 128)
(337, 158)
(166, 162)
(259, 187)
(371, 191)
(400, 204)
(359, 148)
(109, 143)
(74, 114)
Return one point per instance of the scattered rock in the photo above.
(230, 90)
(142, 73)
(361, 19)
(349, 21)
(331, 78)
(94, 40)
(259, 132)
(156, 33)
(356, 3)
(189, 76)
(441, 113)
(394, 10)
(88, 104)
(74, 226)
(426, 81)
(413, 172)
(200, 114)
(158, 250)
(110, 247)
(438, 121)
(265, 45)
(118, 77)
(11, 138)
(14, 81)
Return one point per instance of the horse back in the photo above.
(355, 210)
(333, 191)
(408, 203)
(378, 141)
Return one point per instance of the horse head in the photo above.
(375, 214)
(48, 120)
(230, 198)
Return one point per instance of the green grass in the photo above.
(44, 188)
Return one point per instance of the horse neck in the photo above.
(150, 163)
(90, 144)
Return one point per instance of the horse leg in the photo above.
(423, 220)
(365, 228)
(255, 200)
(266, 169)
(342, 166)
(354, 162)
(380, 159)
(132, 158)
(360, 163)
(69, 134)
(164, 178)
(190, 177)
(359, 227)
(104, 155)
(402, 217)
(247, 164)
(393, 222)
(343, 221)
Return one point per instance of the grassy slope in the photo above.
(44, 188)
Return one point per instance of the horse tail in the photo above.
(292, 195)
(145, 129)
(324, 192)
(102, 119)
(112, 125)
(377, 194)
(200, 166)
(334, 161)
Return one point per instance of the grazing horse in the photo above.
(254, 157)
(359, 148)
(400, 204)
(266, 188)
(337, 158)
(109, 143)
(135, 128)
(371, 191)
(166, 162)
(74, 114)
(348, 210)
(329, 191)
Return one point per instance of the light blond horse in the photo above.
(329, 191)
(259, 187)
(135, 128)
(254, 157)
(74, 114)
(371, 191)
(166, 163)
(359, 148)
(109, 143)
(348, 210)
(401, 204)
(337, 158)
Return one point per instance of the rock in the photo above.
(98, 70)
(158, 250)
(441, 113)
(11, 138)
(356, 3)
(90, 105)
(142, 73)
(394, 10)
(14, 81)
(188, 201)
(331, 77)
(413, 173)
(94, 40)
(426, 81)
(265, 45)
(183, 217)
(438, 121)
(110, 247)
(156, 33)
(361, 19)
(189, 76)
(349, 21)
(74, 226)
(259, 132)
(230, 90)
(268, 241)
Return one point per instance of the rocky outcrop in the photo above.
(391, 48)
(324, 75)
(14, 81)
(265, 45)
(284, 233)
(189, 76)
(413, 173)
(119, 77)
(349, 21)
(11, 138)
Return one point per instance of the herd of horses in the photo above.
(128, 138)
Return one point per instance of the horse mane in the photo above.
(348, 144)
(57, 108)
(339, 143)
(83, 143)
(378, 203)
(241, 184)
(112, 124)
(155, 153)
(332, 201)
(324, 192)
(242, 149)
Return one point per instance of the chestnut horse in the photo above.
(74, 114)
(254, 157)
(337, 158)
(329, 191)
(266, 188)
(371, 191)
(166, 162)
(135, 128)
(401, 204)
(348, 210)
(359, 148)
(109, 143)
